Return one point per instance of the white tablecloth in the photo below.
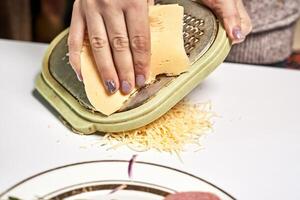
(253, 152)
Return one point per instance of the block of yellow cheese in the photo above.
(167, 57)
(167, 47)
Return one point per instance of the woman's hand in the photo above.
(235, 18)
(119, 35)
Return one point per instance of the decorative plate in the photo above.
(97, 179)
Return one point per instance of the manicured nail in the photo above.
(79, 77)
(126, 87)
(140, 80)
(110, 86)
(237, 33)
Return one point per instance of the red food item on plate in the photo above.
(192, 196)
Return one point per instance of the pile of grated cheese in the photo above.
(182, 125)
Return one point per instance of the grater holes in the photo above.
(191, 48)
(189, 28)
(192, 21)
(187, 18)
(192, 32)
(192, 40)
(186, 35)
(197, 22)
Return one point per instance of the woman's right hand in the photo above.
(119, 35)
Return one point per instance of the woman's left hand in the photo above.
(234, 16)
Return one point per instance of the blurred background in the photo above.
(34, 20)
(42, 20)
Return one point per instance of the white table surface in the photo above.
(253, 153)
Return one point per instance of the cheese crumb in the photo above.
(182, 125)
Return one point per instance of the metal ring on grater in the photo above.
(205, 43)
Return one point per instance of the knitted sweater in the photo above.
(272, 36)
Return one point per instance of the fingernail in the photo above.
(110, 86)
(126, 87)
(237, 33)
(140, 80)
(79, 77)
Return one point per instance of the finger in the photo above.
(232, 21)
(119, 43)
(139, 37)
(246, 23)
(228, 12)
(75, 39)
(150, 2)
(101, 51)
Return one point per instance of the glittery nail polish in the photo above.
(126, 87)
(110, 86)
(237, 33)
(140, 80)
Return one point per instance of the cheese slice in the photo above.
(167, 47)
(167, 57)
(94, 88)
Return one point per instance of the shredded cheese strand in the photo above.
(184, 124)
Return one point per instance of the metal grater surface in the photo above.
(200, 29)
